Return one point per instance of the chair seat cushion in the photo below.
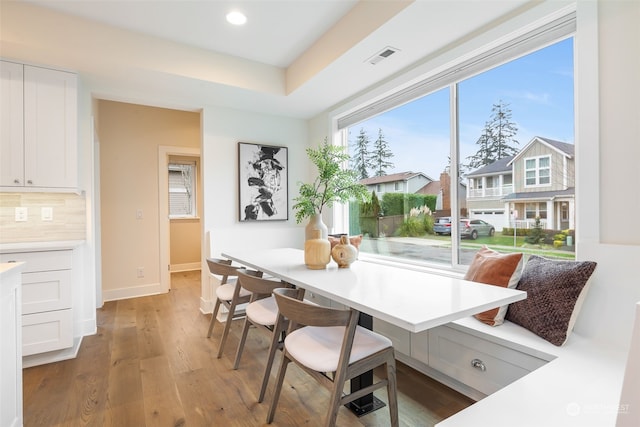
(263, 311)
(319, 348)
(225, 292)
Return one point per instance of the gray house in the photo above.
(402, 182)
(537, 182)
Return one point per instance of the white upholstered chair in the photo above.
(262, 312)
(322, 341)
(229, 294)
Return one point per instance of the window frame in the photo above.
(548, 29)
(536, 170)
(174, 190)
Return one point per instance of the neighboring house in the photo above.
(537, 182)
(442, 189)
(403, 182)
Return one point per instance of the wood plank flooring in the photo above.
(150, 364)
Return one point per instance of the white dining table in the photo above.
(410, 298)
(407, 297)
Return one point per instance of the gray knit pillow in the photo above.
(555, 291)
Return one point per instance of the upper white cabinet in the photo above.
(38, 145)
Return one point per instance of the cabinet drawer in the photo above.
(46, 291)
(478, 363)
(41, 261)
(48, 331)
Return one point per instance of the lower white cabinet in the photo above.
(47, 316)
(477, 363)
(11, 354)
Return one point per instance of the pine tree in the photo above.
(484, 155)
(361, 159)
(503, 131)
(381, 154)
(497, 139)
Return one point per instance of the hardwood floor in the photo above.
(150, 364)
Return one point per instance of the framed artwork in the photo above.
(263, 177)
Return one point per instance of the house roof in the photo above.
(563, 148)
(500, 165)
(504, 164)
(401, 176)
(540, 195)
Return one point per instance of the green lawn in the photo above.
(506, 244)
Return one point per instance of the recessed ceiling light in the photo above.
(236, 18)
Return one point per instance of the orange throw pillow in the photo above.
(498, 269)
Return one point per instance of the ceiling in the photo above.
(293, 57)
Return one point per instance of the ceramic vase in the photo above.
(344, 253)
(315, 223)
(317, 251)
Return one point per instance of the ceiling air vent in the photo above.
(383, 54)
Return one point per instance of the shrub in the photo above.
(412, 227)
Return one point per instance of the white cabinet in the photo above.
(478, 363)
(38, 140)
(47, 316)
(11, 354)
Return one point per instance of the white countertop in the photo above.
(39, 246)
(6, 267)
(412, 300)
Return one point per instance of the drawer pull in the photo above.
(478, 364)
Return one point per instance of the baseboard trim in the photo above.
(132, 292)
(191, 266)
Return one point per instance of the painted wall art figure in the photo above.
(263, 182)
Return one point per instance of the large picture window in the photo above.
(475, 148)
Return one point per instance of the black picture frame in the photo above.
(263, 172)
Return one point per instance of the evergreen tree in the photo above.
(381, 154)
(503, 131)
(497, 139)
(361, 159)
(484, 155)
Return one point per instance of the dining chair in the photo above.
(262, 312)
(229, 293)
(323, 341)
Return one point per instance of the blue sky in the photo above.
(538, 88)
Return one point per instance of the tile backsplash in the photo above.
(49, 217)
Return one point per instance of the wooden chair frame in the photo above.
(302, 314)
(262, 288)
(223, 267)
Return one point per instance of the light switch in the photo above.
(47, 214)
(22, 214)
(139, 214)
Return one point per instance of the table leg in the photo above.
(368, 403)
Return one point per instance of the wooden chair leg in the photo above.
(334, 404)
(275, 344)
(276, 393)
(392, 391)
(213, 317)
(227, 326)
(243, 338)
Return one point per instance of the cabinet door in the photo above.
(50, 128)
(11, 125)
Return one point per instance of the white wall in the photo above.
(222, 129)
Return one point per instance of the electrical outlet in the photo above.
(22, 214)
(140, 272)
(139, 214)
